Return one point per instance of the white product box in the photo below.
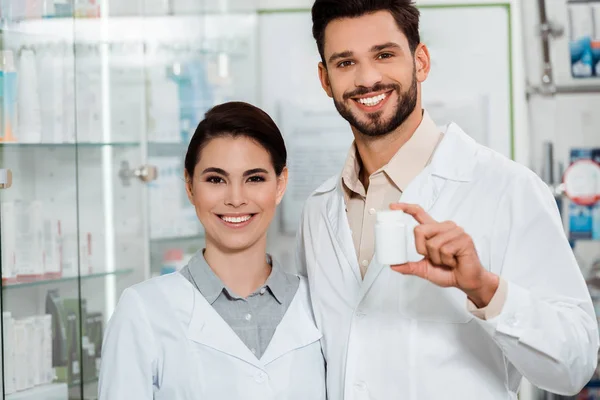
(9, 353)
(8, 232)
(51, 243)
(29, 254)
(21, 361)
(28, 100)
(36, 351)
(48, 374)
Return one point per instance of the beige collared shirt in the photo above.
(385, 187)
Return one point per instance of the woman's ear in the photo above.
(189, 187)
(282, 180)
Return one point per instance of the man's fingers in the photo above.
(415, 211)
(442, 248)
(424, 233)
(418, 268)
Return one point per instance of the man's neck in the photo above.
(375, 152)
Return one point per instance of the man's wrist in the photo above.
(482, 296)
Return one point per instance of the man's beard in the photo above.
(376, 126)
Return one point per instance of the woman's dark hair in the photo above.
(404, 12)
(237, 119)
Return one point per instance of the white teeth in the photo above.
(236, 220)
(372, 101)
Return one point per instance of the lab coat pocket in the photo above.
(422, 300)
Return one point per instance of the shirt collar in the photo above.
(211, 286)
(404, 166)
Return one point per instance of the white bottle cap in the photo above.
(390, 216)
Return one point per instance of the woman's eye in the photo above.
(256, 179)
(214, 179)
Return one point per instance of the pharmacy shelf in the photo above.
(51, 281)
(55, 391)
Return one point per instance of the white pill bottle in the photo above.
(390, 237)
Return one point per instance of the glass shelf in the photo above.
(177, 238)
(66, 145)
(51, 390)
(49, 281)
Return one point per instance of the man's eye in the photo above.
(386, 55)
(345, 64)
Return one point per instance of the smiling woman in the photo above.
(236, 176)
(232, 319)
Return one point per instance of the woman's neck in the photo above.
(242, 271)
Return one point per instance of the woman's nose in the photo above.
(235, 196)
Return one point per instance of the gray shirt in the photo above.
(255, 318)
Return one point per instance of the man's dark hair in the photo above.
(404, 12)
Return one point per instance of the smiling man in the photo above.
(491, 292)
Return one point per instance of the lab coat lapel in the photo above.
(295, 330)
(339, 227)
(424, 190)
(209, 329)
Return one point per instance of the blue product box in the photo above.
(582, 63)
(581, 221)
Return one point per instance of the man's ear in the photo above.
(324, 78)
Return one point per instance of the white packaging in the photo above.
(70, 254)
(51, 94)
(390, 237)
(8, 232)
(48, 374)
(21, 360)
(51, 242)
(36, 351)
(9, 353)
(28, 100)
(29, 250)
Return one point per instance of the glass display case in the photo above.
(98, 102)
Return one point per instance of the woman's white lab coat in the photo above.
(392, 336)
(166, 342)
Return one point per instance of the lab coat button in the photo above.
(372, 211)
(360, 314)
(263, 290)
(365, 263)
(260, 377)
(248, 317)
(361, 386)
